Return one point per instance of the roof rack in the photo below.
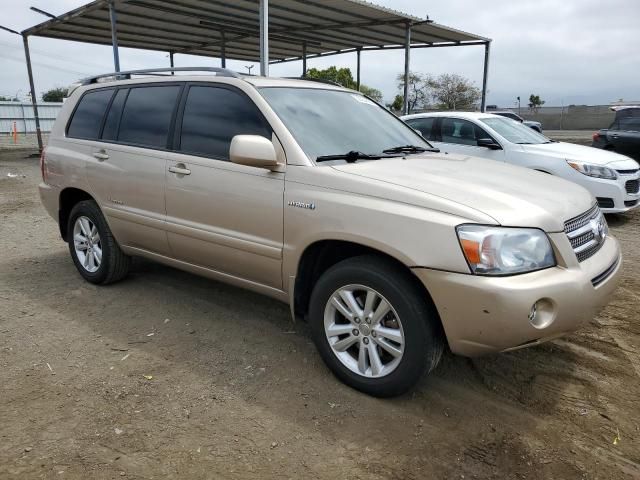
(222, 72)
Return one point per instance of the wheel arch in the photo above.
(69, 197)
(321, 255)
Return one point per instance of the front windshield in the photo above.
(333, 122)
(514, 132)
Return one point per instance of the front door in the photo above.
(457, 135)
(220, 215)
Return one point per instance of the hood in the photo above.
(513, 196)
(571, 151)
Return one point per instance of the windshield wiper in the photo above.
(352, 156)
(410, 149)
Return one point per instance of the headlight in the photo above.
(505, 251)
(597, 171)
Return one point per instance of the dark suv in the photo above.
(623, 136)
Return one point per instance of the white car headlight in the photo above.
(505, 251)
(597, 171)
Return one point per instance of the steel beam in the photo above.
(304, 59)
(34, 98)
(407, 69)
(223, 50)
(264, 38)
(485, 76)
(358, 50)
(114, 35)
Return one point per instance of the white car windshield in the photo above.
(334, 122)
(515, 132)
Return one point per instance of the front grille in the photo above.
(632, 186)
(586, 233)
(627, 172)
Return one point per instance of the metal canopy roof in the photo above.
(202, 27)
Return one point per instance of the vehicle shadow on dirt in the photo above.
(139, 305)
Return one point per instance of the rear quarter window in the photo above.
(86, 121)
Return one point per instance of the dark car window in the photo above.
(462, 132)
(87, 118)
(147, 115)
(110, 130)
(424, 126)
(213, 116)
(630, 124)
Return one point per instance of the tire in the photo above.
(418, 338)
(113, 265)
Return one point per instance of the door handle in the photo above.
(101, 155)
(180, 169)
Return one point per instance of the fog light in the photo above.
(542, 313)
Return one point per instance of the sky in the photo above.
(581, 52)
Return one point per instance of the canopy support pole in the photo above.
(114, 35)
(485, 76)
(264, 38)
(34, 98)
(171, 62)
(359, 49)
(407, 61)
(223, 50)
(304, 59)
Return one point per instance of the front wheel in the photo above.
(374, 327)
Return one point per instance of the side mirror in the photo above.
(489, 143)
(254, 151)
(418, 132)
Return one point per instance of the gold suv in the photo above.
(317, 196)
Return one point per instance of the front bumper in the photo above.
(483, 315)
(612, 195)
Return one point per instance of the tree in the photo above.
(397, 103)
(419, 89)
(535, 103)
(455, 92)
(371, 92)
(342, 76)
(54, 95)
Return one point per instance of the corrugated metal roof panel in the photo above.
(198, 26)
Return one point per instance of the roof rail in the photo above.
(319, 80)
(223, 72)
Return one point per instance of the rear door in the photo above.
(129, 163)
(221, 215)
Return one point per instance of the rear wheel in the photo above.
(93, 249)
(373, 326)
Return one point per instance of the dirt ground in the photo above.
(168, 375)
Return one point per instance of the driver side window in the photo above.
(461, 132)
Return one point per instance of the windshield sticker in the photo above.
(363, 99)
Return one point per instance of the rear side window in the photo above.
(424, 126)
(631, 124)
(147, 115)
(213, 116)
(87, 118)
(110, 131)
